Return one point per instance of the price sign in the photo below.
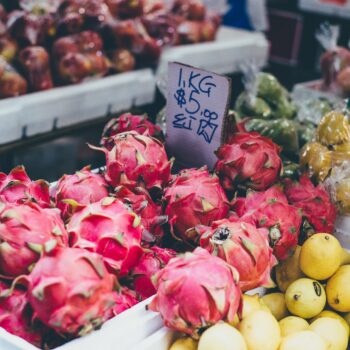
(197, 106)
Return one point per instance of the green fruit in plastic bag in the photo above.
(290, 170)
(257, 108)
(269, 88)
(284, 108)
(306, 133)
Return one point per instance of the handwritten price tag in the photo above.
(197, 105)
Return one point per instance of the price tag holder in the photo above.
(197, 108)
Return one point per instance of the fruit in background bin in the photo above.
(305, 298)
(284, 108)
(252, 107)
(222, 336)
(124, 298)
(11, 83)
(252, 303)
(72, 192)
(17, 187)
(292, 324)
(269, 88)
(248, 159)
(333, 129)
(277, 305)
(338, 290)
(184, 344)
(15, 315)
(332, 332)
(140, 201)
(332, 314)
(35, 62)
(319, 213)
(261, 331)
(123, 60)
(317, 159)
(8, 48)
(125, 8)
(27, 232)
(321, 256)
(189, 32)
(303, 340)
(129, 122)
(288, 270)
(343, 80)
(244, 247)
(71, 291)
(152, 261)
(271, 210)
(195, 291)
(194, 197)
(137, 160)
(110, 229)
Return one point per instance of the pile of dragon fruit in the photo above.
(47, 43)
(83, 250)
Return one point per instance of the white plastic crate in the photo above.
(41, 112)
(326, 8)
(223, 56)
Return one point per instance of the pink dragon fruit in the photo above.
(82, 188)
(150, 213)
(129, 122)
(110, 229)
(15, 314)
(248, 159)
(150, 263)
(195, 291)
(17, 187)
(70, 291)
(244, 247)
(193, 198)
(317, 209)
(137, 160)
(271, 210)
(27, 232)
(124, 299)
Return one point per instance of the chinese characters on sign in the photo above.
(196, 109)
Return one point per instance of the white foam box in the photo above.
(326, 7)
(231, 48)
(41, 112)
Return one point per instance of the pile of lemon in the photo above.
(310, 311)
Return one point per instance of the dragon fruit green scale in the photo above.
(195, 291)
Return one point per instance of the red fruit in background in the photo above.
(137, 160)
(11, 83)
(123, 60)
(248, 159)
(189, 32)
(8, 48)
(244, 247)
(150, 213)
(35, 62)
(110, 229)
(17, 187)
(15, 315)
(124, 299)
(195, 291)
(150, 6)
(31, 29)
(189, 9)
(27, 232)
(193, 198)
(343, 80)
(314, 202)
(129, 122)
(84, 42)
(71, 291)
(151, 262)
(125, 8)
(208, 30)
(77, 190)
(123, 33)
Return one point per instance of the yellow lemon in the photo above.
(252, 303)
(332, 314)
(338, 290)
(184, 344)
(305, 340)
(292, 324)
(277, 305)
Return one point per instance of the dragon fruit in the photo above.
(27, 232)
(318, 212)
(82, 188)
(150, 213)
(15, 314)
(195, 291)
(248, 159)
(17, 187)
(70, 291)
(150, 263)
(110, 229)
(271, 210)
(244, 247)
(194, 197)
(129, 122)
(137, 160)
(124, 299)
